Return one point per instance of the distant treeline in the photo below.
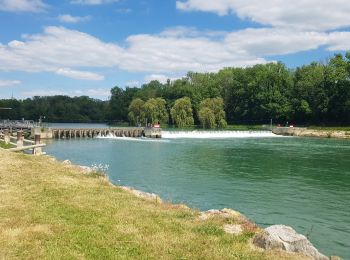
(313, 94)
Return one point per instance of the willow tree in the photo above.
(136, 113)
(211, 113)
(181, 112)
(155, 110)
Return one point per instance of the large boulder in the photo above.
(286, 238)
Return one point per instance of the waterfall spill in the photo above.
(216, 134)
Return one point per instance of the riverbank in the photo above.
(312, 132)
(56, 210)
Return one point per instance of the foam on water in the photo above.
(216, 134)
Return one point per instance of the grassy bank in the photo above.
(53, 211)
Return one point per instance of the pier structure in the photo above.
(32, 129)
(73, 133)
(66, 133)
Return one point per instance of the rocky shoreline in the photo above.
(275, 237)
(305, 132)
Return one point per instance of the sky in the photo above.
(86, 47)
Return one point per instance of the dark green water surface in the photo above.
(301, 182)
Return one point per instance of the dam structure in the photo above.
(73, 133)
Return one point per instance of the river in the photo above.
(300, 182)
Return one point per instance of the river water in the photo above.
(301, 182)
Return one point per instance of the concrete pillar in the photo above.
(20, 139)
(7, 138)
(38, 150)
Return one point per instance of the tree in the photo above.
(155, 110)
(337, 83)
(117, 104)
(181, 113)
(309, 97)
(212, 114)
(136, 111)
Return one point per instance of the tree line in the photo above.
(317, 93)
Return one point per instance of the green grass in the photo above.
(53, 211)
(4, 145)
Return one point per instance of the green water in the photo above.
(301, 182)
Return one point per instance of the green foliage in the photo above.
(155, 110)
(207, 118)
(119, 103)
(212, 114)
(56, 109)
(312, 94)
(182, 113)
(136, 111)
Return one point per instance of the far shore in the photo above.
(313, 132)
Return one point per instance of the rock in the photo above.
(86, 169)
(142, 194)
(334, 257)
(233, 229)
(287, 239)
(67, 162)
(225, 213)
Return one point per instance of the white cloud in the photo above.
(93, 2)
(172, 52)
(133, 83)
(22, 5)
(75, 74)
(98, 92)
(57, 48)
(161, 78)
(301, 14)
(9, 83)
(269, 41)
(339, 41)
(67, 18)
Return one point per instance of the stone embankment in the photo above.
(305, 132)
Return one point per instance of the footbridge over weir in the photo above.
(71, 133)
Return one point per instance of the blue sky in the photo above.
(85, 47)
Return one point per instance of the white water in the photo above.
(195, 135)
(124, 138)
(216, 134)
